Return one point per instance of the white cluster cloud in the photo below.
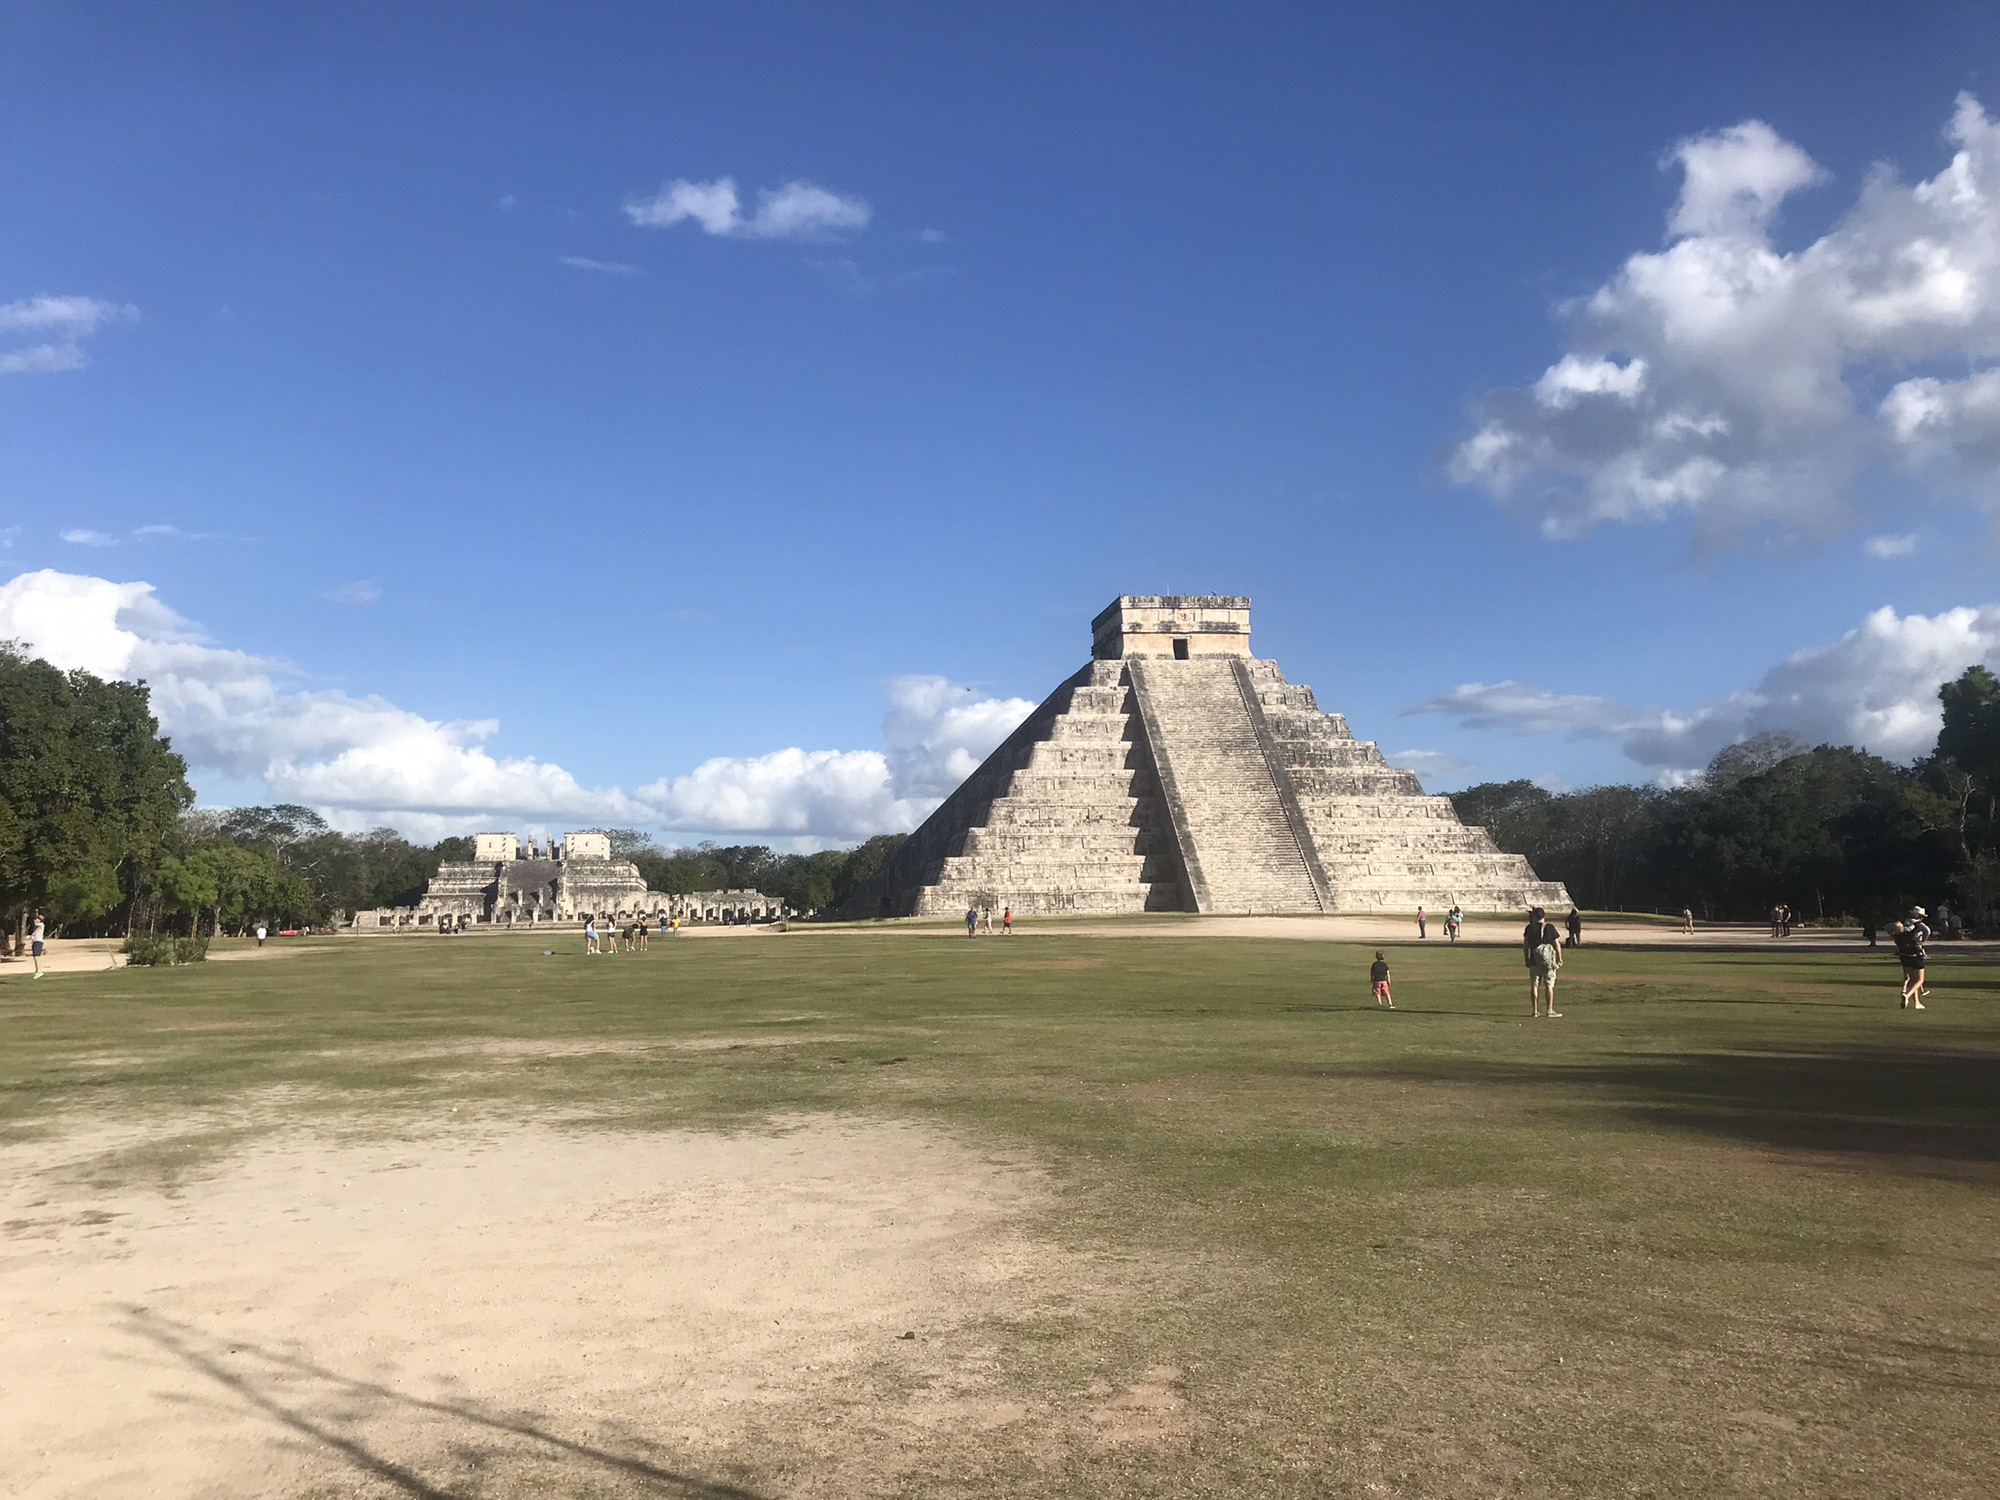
(936, 732)
(363, 760)
(1875, 687)
(1744, 384)
(794, 211)
(47, 333)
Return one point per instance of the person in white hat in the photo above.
(1910, 954)
(1916, 923)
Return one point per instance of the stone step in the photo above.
(1228, 809)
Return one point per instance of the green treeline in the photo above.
(1834, 832)
(806, 882)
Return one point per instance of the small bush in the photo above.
(161, 950)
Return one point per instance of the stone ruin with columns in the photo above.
(511, 882)
(1177, 772)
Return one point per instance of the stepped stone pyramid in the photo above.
(1176, 772)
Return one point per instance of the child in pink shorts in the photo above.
(1378, 976)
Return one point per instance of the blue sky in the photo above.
(360, 387)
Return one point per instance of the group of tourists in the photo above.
(1541, 950)
(635, 934)
(980, 918)
(1454, 922)
(1542, 945)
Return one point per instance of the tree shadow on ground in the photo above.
(331, 1410)
(1920, 1109)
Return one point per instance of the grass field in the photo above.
(1728, 1227)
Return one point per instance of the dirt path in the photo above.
(1399, 928)
(497, 1310)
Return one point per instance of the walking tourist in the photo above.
(642, 934)
(1420, 922)
(1541, 949)
(589, 936)
(1910, 954)
(37, 942)
(1575, 925)
(611, 935)
(1007, 921)
(1777, 919)
(986, 919)
(972, 921)
(1454, 920)
(1917, 922)
(1378, 980)
(260, 934)
(1687, 920)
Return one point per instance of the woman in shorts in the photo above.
(1910, 953)
(1541, 948)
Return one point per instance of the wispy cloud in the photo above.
(84, 536)
(932, 236)
(1875, 687)
(794, 211)
(1429, 764)
(41, 359)
(361, 591)
(60, 324)
(858, 281)
(602, 267)
(70, 317)
(1891, 546)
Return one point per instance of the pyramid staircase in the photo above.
(1204, 783)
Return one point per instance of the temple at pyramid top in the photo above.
(1177, 772)
(1176, 625)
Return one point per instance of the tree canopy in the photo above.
(90, 792)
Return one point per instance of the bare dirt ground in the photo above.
(509, 1309)
(92, 955)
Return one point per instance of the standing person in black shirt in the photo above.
(1575, 925)
(1378, 980)
(1541, 949)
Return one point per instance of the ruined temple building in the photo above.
(509, 883)
(1177, 772)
